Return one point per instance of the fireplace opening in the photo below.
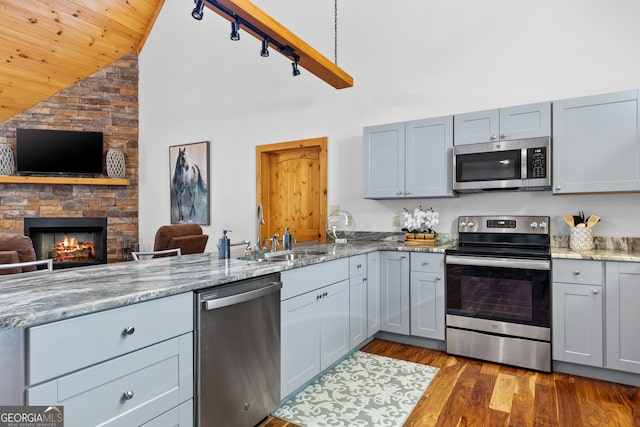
(69, 242)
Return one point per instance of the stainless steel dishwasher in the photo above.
(238, 352)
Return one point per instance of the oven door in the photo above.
(511, 293)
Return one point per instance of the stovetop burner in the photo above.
(503, 236)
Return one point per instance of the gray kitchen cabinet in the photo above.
(126, 366)
(394, 292)
(409, 159)
(519, 122)
(373, 293)
(314, 321)
(577, 312)
(622, 316)
(596, 144)
(427, 295)
(357, 300)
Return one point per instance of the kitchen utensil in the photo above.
(592, 220)
(568, 218)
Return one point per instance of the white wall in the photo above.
(410, 59)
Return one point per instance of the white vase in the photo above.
(115, 163)
(7, 165)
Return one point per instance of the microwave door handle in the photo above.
(528, 264)
(523, 163)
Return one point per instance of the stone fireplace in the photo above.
(69, 242)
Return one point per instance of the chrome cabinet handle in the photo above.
(595, 292)
(399, 193)
(576, 273)
(425, 263)
(407, 193)
(127, 395)
(128, 331)
(503, 136)
(359, 266)
(492, 137)
(558, 187)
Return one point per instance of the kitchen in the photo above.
(450, 76)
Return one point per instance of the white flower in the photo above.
(420, 221)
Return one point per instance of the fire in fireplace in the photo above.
(69, 242)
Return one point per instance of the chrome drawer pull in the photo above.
(127, 395)
(129, 330)
(595, 292)
(576, 273)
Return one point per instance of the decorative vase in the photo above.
(581, 238)
(7, 165)
(115, 163)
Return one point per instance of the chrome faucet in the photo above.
(260, 221)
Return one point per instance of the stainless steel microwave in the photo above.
(520, 164)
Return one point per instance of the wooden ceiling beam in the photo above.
(310, 59)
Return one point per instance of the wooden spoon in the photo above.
(592, 220)
(568, 218)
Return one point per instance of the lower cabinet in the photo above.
(357, 300)
(427, 295)
(315, 324)
(394, 292)
(622, 316)
(373, 293)
(144, 376)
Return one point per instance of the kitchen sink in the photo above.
(281, 256)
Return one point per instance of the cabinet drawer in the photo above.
(578, 271)
(357, 265)
(302, 280)
(61, 347)
(156, 379)
(427, 262)
(182, 416)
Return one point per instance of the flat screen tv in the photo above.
(58, 152)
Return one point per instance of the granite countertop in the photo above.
(34, 298)
(596, 254)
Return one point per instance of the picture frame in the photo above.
(189, 183)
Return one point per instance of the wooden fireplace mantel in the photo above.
(17, 179)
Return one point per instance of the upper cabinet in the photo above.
(520, 122)
(596, 144)
(409, 159)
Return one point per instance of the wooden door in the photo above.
(291, 185)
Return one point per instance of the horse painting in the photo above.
(189, 201)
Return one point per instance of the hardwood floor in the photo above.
(468, 392)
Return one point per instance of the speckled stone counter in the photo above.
(34, 298)
(596, 254)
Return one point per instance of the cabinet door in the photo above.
(357, 310)
(479, 126)
(394, 292)
(525, 121)
(373, 293)
(623, 316)
(384, 161)
(429, 161)
(334, 323)
(596, 146)
(577, 323)
(300, 341)
(427, 305)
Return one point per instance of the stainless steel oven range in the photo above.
(499, 291)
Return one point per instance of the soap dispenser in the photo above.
(286, 240)
(224, 246)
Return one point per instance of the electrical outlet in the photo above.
(333, 208)
(396, 221)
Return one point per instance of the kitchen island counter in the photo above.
(30, 299)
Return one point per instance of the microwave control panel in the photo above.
(537, 162)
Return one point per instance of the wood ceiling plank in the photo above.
(310, 59)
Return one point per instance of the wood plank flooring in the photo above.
(468, 393)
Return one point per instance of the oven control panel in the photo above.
(504, 224)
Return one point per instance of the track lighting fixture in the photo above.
(264, 52)
(197, 11)
(235, 30)
(294, 64)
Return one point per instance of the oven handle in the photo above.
(528, 264)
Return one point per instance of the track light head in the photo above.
(197, 11)
(296, 71)
(235, 30)
(264, 52)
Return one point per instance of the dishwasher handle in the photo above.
(242, 297)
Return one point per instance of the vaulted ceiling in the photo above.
(49, 45)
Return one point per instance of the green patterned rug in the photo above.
(364, 390)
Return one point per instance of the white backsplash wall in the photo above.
(410, 59)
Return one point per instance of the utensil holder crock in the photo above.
(581, 239)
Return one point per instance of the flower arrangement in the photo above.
(420, 221)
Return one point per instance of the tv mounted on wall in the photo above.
(58, 152)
